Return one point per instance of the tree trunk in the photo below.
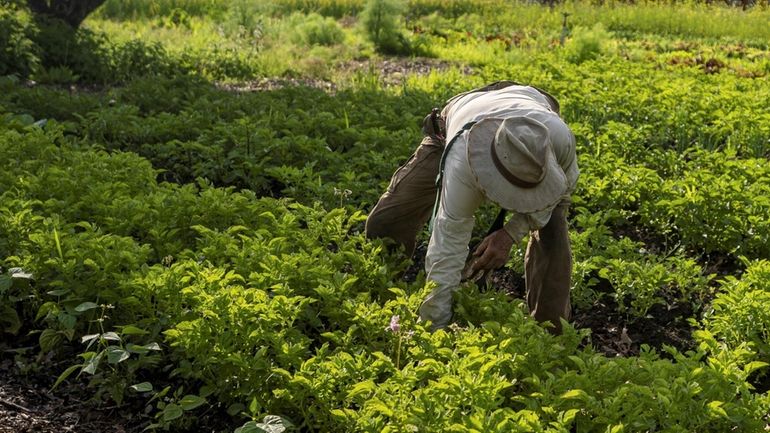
(72, 12)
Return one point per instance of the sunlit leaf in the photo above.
(142, 387)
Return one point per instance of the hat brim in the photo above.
(497, 188)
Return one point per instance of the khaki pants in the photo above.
(407, 205)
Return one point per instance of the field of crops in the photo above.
(183, 187)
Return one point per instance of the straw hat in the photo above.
(514, 164)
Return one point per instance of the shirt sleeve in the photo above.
(520, 224)
(564, 148)
(452, 227)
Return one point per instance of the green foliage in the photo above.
(381, 20)
(717, 205)
(18, 53)
(137, 9)
(57, 75)
(587, 44)
(137, 59)
(314, 29)
(739, 313)
(83, 52)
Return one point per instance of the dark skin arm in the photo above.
(492, 252)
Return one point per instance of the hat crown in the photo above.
(520, 150)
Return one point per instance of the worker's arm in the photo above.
(493, 252)
(452, 227)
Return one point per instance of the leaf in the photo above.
(85, 306)
(249, 427)
(159, 395)
(132, 330)
(339, 415)
(62, 377)
(58, 292)
(254, 406)
(715, 409)
(190, 401)
(19, 273)
(142, 387)
(135, 348)
(116, 355)
(235, 409)
(362, 388)
(5, 283)
(49, 339)
(9, 322)
(574, 394)
(68, 321)
(89, 338)
(172, 412)
(568, 416)
(47, 308)
(754, 366)
(111, 336)
(58, 244)
(274, 424)
(378, 406)
(92, 363)
(206, 390)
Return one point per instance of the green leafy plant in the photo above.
(587, 44)
(381, 22)
(315, 29)
(109, 358)
(19, 54)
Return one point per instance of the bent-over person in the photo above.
(504, 143)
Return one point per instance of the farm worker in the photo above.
(506, 143)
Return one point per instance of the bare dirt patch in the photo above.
(388, 72)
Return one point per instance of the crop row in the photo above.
(277, 308)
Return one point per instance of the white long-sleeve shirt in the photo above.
(461, 195)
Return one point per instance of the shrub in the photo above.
(381, 21)
(587, 44)
(82, 51)
(137, 59)
(314, 29)
(740, 312)
(18, 53)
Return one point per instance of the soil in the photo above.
(27, 404)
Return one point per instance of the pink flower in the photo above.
(394, 326)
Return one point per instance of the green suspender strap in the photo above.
(440, 177)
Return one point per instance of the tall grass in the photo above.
(142, 9)
(696, 21)
(680, 20)
(685, 19)
(278, 38)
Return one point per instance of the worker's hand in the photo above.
(492, 252)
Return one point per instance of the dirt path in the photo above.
(389, 72)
